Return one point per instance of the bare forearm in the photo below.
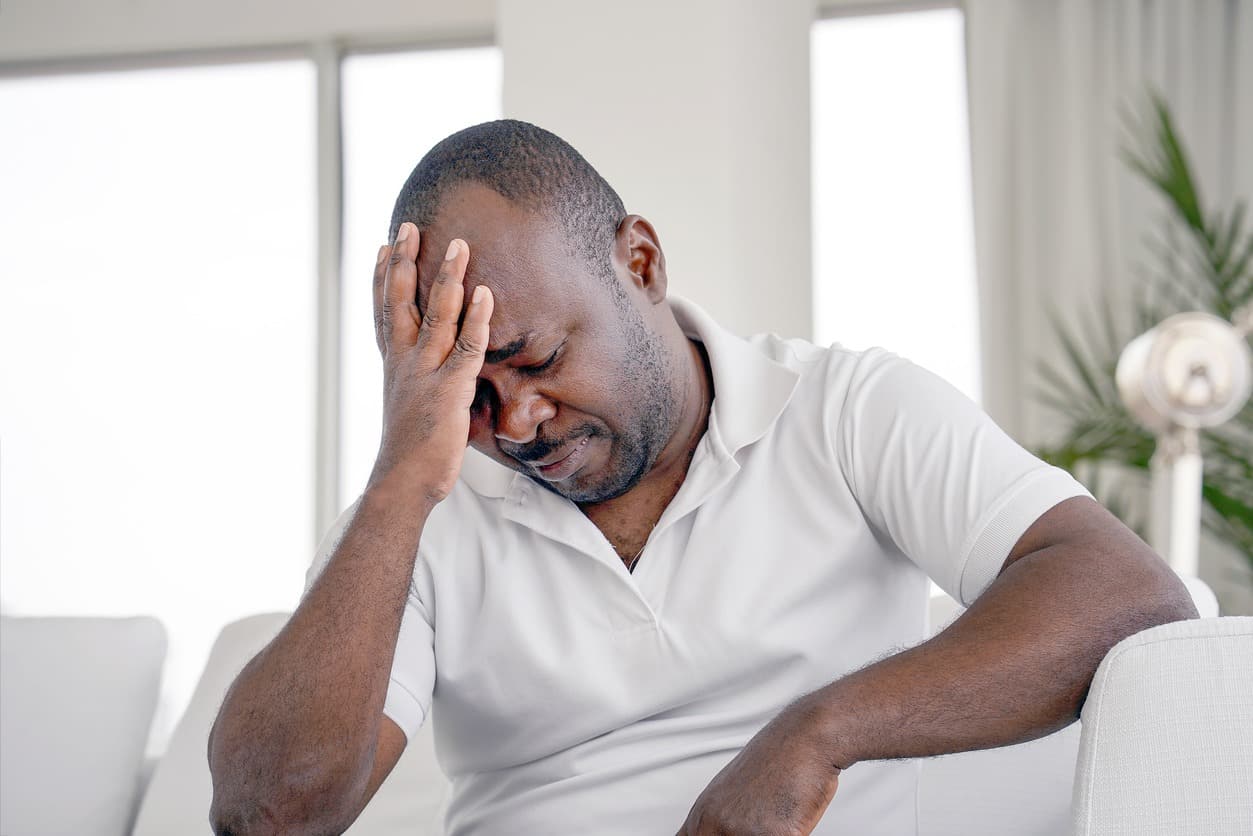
(295, 735)
(1015, 666)
(297, 742)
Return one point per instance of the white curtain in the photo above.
(1058, 216)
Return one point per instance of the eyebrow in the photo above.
(505, 352)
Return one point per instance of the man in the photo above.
(669, 590)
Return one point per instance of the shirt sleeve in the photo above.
(935, 474)
(412, 683)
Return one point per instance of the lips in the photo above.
(564, 464)
(560, 454)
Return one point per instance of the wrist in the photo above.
(402, 485)
(828, 726)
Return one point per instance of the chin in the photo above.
(602, 486)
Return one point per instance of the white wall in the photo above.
(698, 113)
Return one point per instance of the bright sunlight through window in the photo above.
(157, 314)
(893, 232)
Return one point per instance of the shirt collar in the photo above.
(751, 390)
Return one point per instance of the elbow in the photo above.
(240, 821)
(1175, 603)
(294, 804)
(1161, 598)
(236, 812)
(254, 817)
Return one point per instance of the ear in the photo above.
(638, 251)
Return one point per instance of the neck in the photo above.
(627, 520)
(668, 471)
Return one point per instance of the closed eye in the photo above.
(552, 358)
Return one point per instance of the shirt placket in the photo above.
(711, 469)
(560, 520)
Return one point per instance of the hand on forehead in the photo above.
(510, 248)
(520, 255)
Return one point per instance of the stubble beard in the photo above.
(649, 370)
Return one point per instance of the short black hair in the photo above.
(525, 164)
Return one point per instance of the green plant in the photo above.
(1203, 261)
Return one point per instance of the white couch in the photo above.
(1176, 757)
(77, 697)
(1020, 790)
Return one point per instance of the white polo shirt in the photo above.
(572, 697)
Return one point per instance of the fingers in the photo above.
(399, 319)
(435, 334)
(380, 273)
(443, 304)
(471, 344)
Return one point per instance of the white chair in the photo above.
(1167, 744)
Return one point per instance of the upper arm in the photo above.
(1113, 555)
(935, 474)
(1079, 519)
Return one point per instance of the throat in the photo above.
(627, 521)
(627, 526)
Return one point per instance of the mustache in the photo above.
(542, 448)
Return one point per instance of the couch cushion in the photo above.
(76, 701)
(1021, 790)
(410, 801)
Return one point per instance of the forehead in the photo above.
(519, 254)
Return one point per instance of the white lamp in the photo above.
(1191, 372)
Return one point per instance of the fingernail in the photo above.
(480, 293)
(454, 247)
(403, 232)
(378, 259)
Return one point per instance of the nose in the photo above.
(518, 417)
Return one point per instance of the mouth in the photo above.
(565, 464)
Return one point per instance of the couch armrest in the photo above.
(1168, 732)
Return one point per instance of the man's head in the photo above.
(581, 371)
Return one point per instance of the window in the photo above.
(158, 329)
(893, 230)
(382, 144)
(157, 316)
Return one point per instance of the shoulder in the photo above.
(832, 375)
(835, 364)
